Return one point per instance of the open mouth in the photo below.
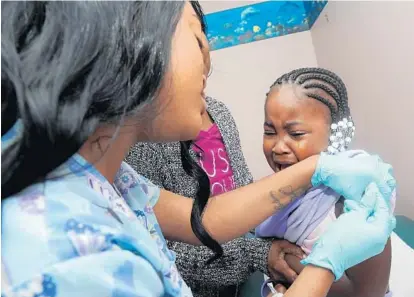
(280, 167)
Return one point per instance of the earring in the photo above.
(341, 136)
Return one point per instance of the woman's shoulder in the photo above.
(222, 116)
(43, 217)
(137, 190)
(216, 106)
(145, 151)
(67, 223)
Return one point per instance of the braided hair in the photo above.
(328, 88)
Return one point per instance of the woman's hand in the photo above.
(350, 176)
(359, 234)
(277, 265)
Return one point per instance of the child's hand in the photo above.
(277, 265)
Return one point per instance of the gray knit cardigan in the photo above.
(161, 163)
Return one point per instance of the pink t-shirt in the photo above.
(214, 160)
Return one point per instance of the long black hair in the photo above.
(67, 67)
(193, 169)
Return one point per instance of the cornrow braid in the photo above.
(333, 88)
(313, 79)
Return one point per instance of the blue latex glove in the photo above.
(350, 176)
(358, 234)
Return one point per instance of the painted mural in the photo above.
(260, 21)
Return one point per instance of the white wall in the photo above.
(371, 46)
(241, 77)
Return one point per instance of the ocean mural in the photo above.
(260, 21)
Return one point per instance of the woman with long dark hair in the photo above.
(82, 82)
(210, 165)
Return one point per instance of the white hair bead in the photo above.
(341, 124)
(350, 124)
(339, 134)
(331, 149)
(345, 120)
(332, 138)
(334, 126)
(335, 145)
(342, 142)
(353, 128)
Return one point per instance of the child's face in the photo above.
(295, 128)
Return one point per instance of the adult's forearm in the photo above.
(234, 213)
(341, 288)
(312, 282)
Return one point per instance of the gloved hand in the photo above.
(359, 234)
(350, 176)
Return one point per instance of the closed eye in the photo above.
(268, 132)
(297, 134)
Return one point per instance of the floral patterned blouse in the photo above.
(78, 235)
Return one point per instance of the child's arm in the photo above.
(368, 279)
(371, 277)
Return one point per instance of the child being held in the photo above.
(306, 113)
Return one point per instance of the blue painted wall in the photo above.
(260, 21)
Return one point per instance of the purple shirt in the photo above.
(296, 221)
